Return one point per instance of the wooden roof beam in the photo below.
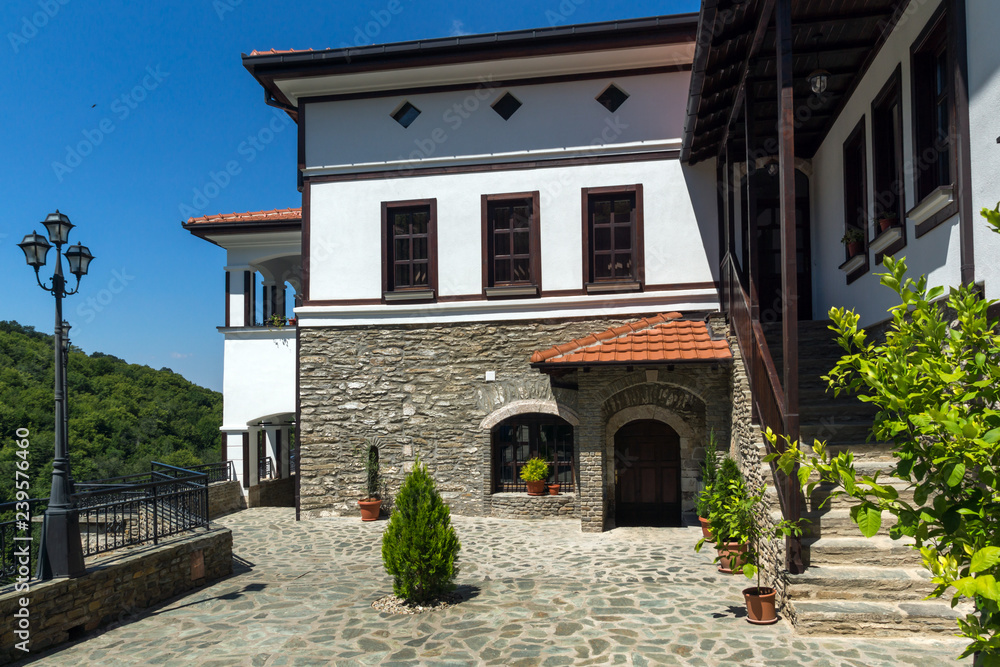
(758, 39)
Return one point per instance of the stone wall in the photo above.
(424, 390)
(225, 497)
(523, 506)
(272, 493)
(747, 448)
(112, 588)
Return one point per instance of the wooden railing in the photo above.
(769, 407)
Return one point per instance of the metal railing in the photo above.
(14, 525)
(265, 468)
(223, 471)
(119, 513)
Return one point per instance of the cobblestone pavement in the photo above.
(538, 593)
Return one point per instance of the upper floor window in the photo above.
(887, 155)
(932, 108)
(612, 232)
(511, 251)
(409, 249)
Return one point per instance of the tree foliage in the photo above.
(121, 416)
(936, 382)
(419, 547)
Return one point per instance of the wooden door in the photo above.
(647, 475)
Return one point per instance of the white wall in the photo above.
(984, 104)
(258, 376)
(552, 116)
(680, 226)
(935, 254)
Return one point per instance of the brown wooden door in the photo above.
(647, 475)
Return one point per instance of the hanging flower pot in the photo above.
(760, 605)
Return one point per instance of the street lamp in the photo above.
(62, 551)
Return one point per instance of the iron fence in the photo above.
(115, 515)
(14, 543)
(265, 468)
(223, 471)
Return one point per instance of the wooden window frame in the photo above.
(409, 294)
(638, 278)
(857, 143)
(534, 421)
(491, 290)
(891, 92)
(926, 49)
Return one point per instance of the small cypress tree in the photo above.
(419, 546)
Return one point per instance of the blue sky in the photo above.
(117, 113)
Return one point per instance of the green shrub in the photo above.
(535, 470)
(709, 471)
(419, 546)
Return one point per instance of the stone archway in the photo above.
(671, 452)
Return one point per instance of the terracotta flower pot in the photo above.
(854, 248)
(705, 531)
(536, 488)
(886, 223)
(760, 605)
(731, 556)
(370, 509)
(553, 489)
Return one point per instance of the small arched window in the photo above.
(522, 437)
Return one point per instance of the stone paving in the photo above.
(538, 593)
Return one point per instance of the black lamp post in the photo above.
(63, 552)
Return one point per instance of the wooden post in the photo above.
(789, 269)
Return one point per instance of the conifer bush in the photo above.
(419, 546)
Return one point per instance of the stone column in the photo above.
(590, 443)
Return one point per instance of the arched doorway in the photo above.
(647, 474)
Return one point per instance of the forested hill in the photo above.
(121, 415)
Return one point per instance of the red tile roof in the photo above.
(253, 216)
(663, 339)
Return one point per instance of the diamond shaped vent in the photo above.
(612, 98)
(406, 114)
(506, 106)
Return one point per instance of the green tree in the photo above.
(419, 547)
(936, 382)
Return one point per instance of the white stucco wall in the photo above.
(984, 104)
(458, 123)
(259, 375)
(680, 226)
(935, 254)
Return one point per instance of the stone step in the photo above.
(860, 583)
(859, 551)
(835, 523)
(874, 618)
(836, 432)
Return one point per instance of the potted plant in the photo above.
(854, 240)
(371, 503)
(275, 320)
(760, 599)
(554, 489)
(534, 473)
(709, 470)
(728, 517)
(887, 219)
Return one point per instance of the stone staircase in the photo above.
(852, 585)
